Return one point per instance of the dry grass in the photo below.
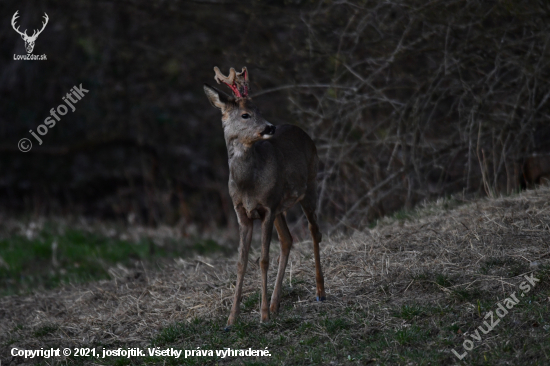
(441, 257)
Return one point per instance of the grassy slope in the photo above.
(403, 293)
(51, 257)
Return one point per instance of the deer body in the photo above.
(256, 172)
(271, 168)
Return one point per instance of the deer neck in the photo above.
(244, 161)
(237, 151)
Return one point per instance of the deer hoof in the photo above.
(227, 328)
(320, 298)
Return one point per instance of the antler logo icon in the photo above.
(29, 41)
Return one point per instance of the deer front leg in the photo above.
(245, 230)
(286, 243)
(267, 230)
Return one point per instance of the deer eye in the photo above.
(246, 116)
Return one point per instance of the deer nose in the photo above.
(269, 130)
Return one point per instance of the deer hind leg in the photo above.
(309, 205)
(286, 243)
(267, 231)
(245, 230)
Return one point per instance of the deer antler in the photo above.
(237, 81)
(242, 82)
(15, 16)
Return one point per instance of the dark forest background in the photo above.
(406, 100)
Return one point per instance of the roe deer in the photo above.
(270, 169)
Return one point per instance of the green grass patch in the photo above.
(410, 335)
(408, 312)
(251, 302)
(443, 280)
(335, 325)
(51, 259)
(45, 330)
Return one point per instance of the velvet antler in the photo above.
(237, 81)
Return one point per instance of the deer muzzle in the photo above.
(268, 131)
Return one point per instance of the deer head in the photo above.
(242, 120)
(29, 40)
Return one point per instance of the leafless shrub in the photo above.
(422, 99)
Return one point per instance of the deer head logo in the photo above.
(29, 40)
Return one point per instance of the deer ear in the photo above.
(217, 98)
